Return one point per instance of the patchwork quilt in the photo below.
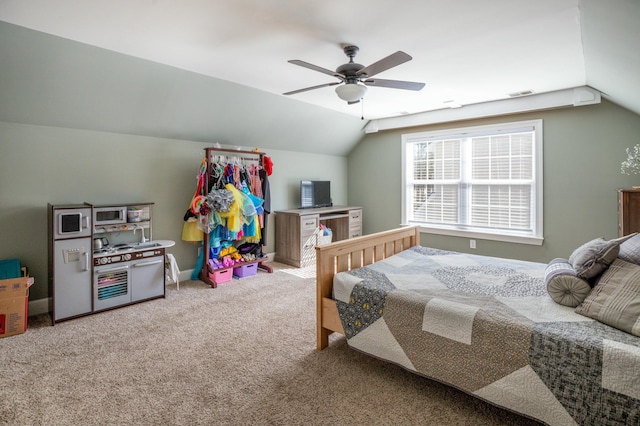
(487, 326)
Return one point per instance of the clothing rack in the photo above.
(252, 156)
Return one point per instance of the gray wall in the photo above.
(52, 81)
(40, 165)
(56, 88)
(583, 149)
(79, 123)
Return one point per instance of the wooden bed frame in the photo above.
(351, 254)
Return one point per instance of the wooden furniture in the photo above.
(295, 230)
(422, 309)
(351, 254)
(257, 157)
(628, 211)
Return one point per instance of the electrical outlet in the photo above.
(472, 244)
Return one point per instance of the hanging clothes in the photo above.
(266, 196)
(233, 208)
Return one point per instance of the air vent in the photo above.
(519, 94)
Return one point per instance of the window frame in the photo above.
(535, 237)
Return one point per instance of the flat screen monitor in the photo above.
(315, 193)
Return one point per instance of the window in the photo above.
(483, 182)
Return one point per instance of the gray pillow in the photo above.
(592, 258)
(630, 249)
(564, 287)
(615, 300)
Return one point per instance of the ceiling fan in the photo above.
(357, 77)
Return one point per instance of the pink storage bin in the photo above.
(221, 276)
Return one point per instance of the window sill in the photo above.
(508, 238)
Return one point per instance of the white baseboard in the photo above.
(41, 306)
(185, 275)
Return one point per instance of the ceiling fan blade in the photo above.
(394, 84)
(312, 88)
(384, 64)
(316, 68)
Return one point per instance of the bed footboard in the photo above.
(351, 254)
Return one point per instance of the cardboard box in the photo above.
(14, 305)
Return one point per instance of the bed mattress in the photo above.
(487, 326)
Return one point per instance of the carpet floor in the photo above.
(241, 354)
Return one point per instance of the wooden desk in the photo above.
(295, 229)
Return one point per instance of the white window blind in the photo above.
(481, 180)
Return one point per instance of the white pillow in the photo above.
(592, 258)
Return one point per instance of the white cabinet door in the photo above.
(71, 277)
(147, 278)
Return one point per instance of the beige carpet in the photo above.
(241, 354)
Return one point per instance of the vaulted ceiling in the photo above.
(465, 51)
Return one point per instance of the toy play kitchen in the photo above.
(102, 257)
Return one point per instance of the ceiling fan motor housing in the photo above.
(349, 71)
(354, 78)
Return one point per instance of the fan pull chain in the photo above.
(362, 109)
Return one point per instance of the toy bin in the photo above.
(221, 276)
(245, 270)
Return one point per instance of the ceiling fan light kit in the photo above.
(351, 92)
(357, 77)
